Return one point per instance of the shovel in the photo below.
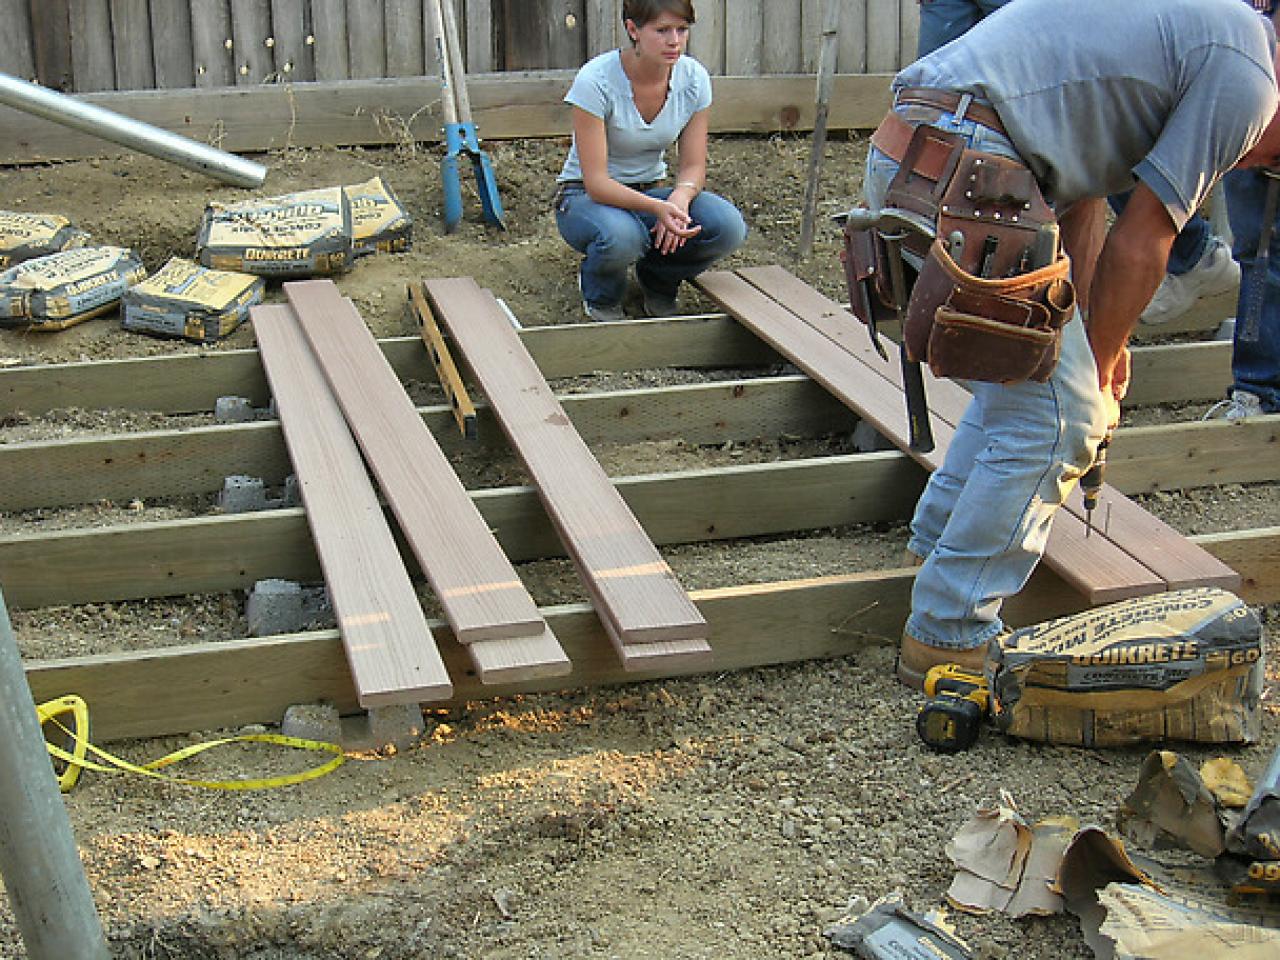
(459, 130)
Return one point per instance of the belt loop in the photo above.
(963, 106)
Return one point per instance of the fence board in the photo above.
(292, 57)
(250, 27)
(706, 39)
(92, 62)
(538, 36)
(210, 36)
(404, 30)
(604, 25)
(811, 32)
(51, 50)
(131, 45)
(16, 56)
(883, 28)
(171, 43)
(781, 25)
(366, 39)
(329, 27)
(852, 45)
(478, 36)
(908, 31)
(743, 41)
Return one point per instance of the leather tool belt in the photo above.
(992, 294)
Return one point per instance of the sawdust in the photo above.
(730, 816)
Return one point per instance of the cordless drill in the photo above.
(958, 700)
(1091, 482)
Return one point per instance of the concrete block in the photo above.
(233, 410)
(274, 606)
(292, 492)
(866, 439)
(312, 721)
(400, 726)
(241, 494)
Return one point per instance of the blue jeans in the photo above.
(612, 239)
(1255, 365)
(941, 21)
(984, 517)
(1189, 246)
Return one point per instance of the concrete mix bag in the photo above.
(62, 289)
(25, 236)
(184, 299)
(379, 223)
(303, 234)
(1183, 665)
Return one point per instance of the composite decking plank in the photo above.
(479, 591)
(392, 653)
(1155, 545)
(820, 337)
(636, 594)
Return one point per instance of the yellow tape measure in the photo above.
(75, 759)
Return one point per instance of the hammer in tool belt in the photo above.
(894, 227)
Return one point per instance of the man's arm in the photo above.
(1084, 228)
(1129, 269)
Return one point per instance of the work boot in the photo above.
(915, 659)
(1215, 273)
(1239, 405)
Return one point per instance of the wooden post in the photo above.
(826, 67)
(39, 860)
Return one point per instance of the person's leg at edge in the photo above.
(610, 238)
(723, 231)
(1040, 438)
(1255, 364)
(941, 21)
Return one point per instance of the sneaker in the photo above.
(1239, 405)
(1215, 273)
(656, 304)
(915, 659)
(598, 313)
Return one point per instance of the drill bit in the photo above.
(1091, 483)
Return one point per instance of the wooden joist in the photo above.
(481, 594)
(455, 391)
(634, 591)
(1120, 562)
(392, 655)
(192, 381)
(214, 685)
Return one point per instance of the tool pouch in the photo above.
(993, 293)
(864, 257)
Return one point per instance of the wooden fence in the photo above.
(92, 45)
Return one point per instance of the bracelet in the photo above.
(690, 184)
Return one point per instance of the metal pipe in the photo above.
(99, 122)
(39, 860)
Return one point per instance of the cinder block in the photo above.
(400, 726)
(233, 410)
(241, 494)
(312, 721)
(292, 492)
(274, 606)
(866, 439)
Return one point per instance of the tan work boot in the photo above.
(915, 659)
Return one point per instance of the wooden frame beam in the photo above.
(192, 382)
(252, 119)
(216, 685)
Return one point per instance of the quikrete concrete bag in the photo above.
(302, 234)
(62, 289)
(379, 223)
(25, 236)
(1183, 665)
(183, 299)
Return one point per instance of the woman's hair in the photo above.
(641, 12)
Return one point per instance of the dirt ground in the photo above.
(731, 816)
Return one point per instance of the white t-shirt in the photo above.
(1098, 92)
(636, 148)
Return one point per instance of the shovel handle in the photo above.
(448, 92)
(456, 66)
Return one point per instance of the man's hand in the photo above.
(1114, 387)
(673, 228)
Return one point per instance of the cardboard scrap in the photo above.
(1005, 865)
(1171, 806)
(889, 931)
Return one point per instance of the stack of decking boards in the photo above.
(1130, 552)
(338, 398)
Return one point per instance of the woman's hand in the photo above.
(674, 226)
